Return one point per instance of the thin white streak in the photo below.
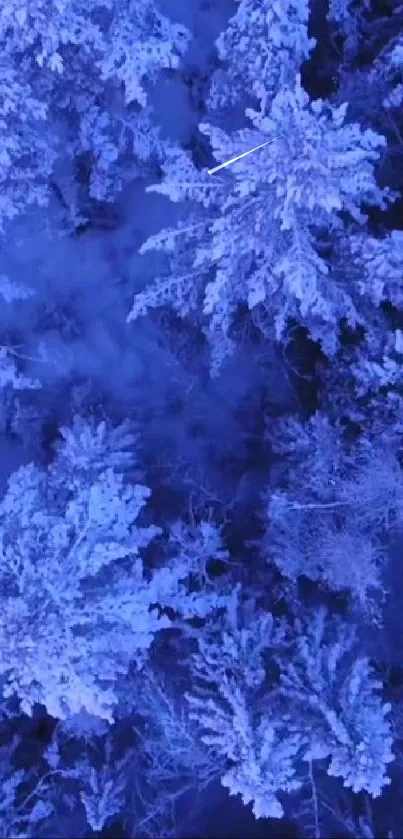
(239, 156)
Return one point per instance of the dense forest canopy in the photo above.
(201, 418)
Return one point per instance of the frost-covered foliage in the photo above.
(393, 62)
(364, 387)
(377, 263)
(102, 788)
(169, 763)
(260, 751)
(28, 151)
(373, 86)
(45, 27)
(92, 777)
(88, 448)
(235, 649)
(336, 701)
(120, 145)
(79, 605)
(378, 373)
(262, 50)
(198, 547)
(326, 705)
(257, 238)
(331, 514)
(373, 393)
(138, 772)
(25, 806)
(65, 639)
(11, 375)
(137, 44)
(385, 76)
(364, 382)
(99, 30)
(159, 43)
(227, 672)
(86, 68)
(11, 781)
(161, 627)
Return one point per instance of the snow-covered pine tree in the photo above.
(334, 507)
(252, 234)
(260, 52)
(257, 749)
(331, 693)
(85, 69)
(80, 604)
